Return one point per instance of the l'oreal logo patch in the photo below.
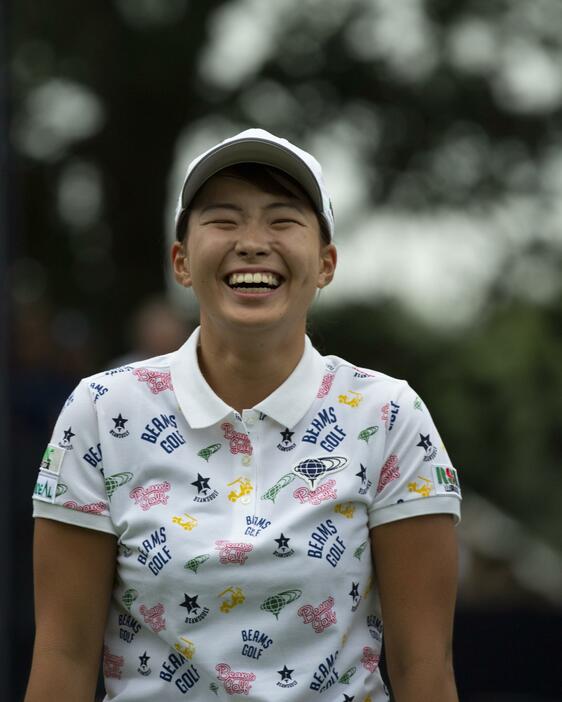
(45, 487)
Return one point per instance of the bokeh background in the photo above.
(439, 126)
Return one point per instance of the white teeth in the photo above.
(256, 278)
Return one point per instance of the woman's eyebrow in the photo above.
(221, 206)
(295, 204)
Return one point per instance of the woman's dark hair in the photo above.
(268, 179)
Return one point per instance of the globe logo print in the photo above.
(313, 469)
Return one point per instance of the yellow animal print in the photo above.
(368, 587)
(246, 488)
(186, 651)
(347, 509)
(351, 401)
(236, 597)
(187, 524)
(424, 490)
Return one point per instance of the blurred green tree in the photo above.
(442, 106)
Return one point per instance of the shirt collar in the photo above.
(287, 405)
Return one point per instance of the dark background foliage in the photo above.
(456, 107)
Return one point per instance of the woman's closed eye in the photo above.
(221, 221)
(286, 220)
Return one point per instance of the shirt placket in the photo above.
(250, 425)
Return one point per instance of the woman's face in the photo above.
(236, 229)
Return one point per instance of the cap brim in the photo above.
(252, 151)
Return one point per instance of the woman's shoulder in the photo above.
(154, 373)
(361, 379)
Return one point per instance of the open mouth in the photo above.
(254, 282)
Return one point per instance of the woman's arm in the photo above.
(73, 573)
(416, 569)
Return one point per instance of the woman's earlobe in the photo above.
(180, 264)
(329, 261)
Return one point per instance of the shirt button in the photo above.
(246, 460)
(251, 420)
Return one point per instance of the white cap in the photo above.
(259, 146)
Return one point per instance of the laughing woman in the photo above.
(240, 516)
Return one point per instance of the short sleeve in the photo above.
(70, 486)
(416, 476)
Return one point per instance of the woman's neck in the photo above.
(244, 369)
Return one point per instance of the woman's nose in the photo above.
(252, 241)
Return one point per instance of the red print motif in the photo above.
(150, 496)
(235, 683)
(154, 617)
(239, 443)
(370, 659)
(112, 664)
(92, 508)
(158, 381)
(385, 409)
(389, 472)
(326, 491)
(233, 552)
(320, 617)
(325, 385)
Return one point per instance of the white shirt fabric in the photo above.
(244, 566)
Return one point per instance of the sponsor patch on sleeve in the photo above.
(446, 480)
(52, 459)
(45, 487)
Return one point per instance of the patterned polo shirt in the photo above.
(244, 566)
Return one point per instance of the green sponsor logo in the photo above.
(46, 460)
(447, 478)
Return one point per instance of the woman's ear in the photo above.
(180, 263)
(328, 261)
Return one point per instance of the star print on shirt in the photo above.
(190, 603)
(144, 659)
(286, 435)
(425, 442)
(202, 484)
(68, 434)
(283, 541)
(354, 590)
(362, 473)
(347, 698)
(119, 421)
(286, 673)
